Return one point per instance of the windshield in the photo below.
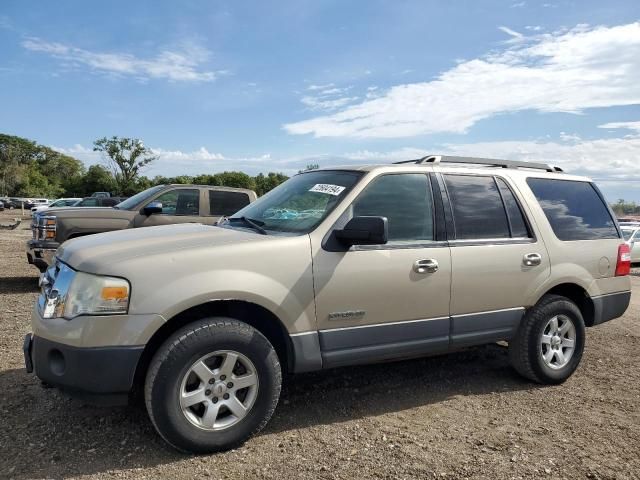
(134, 201)
(627, 234)
(301, 203)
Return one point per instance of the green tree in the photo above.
(29, 169)
(126, 158)
(268, 182)
(98, 179)
(234, 179)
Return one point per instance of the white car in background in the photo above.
(61, 202)
(631, 233)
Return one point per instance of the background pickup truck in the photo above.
(160, 205)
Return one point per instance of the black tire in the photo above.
(175, 357)
(525, 350)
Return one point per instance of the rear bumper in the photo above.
(41, 254)
(102, 375)
(610, 306)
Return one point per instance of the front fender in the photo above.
(294, 306)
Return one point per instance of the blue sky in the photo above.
(272, 86)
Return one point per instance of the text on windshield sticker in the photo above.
(327, 188)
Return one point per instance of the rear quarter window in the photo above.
(575, 210)
(224, 203)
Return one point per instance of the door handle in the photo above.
(428, 265)
(532, 259)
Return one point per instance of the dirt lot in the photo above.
(455, 416)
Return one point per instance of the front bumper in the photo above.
(41, 253)
(102, 375)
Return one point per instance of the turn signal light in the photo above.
(115, 293)
(623, 266)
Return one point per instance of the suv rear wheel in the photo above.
(212, 385)
(549, 343)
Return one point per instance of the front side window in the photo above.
(575, 210)
(224, 203)
(478, 209)
(89, 202)
(302, 202)
(405, 200)
(133, 202)
(181, 201)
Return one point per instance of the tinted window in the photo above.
(226, 203)
(516, 218)
(574, 209)
(133, 202)
(89, 202)
(180, 202)
(478, 210)
(405, 200)
(626, 234)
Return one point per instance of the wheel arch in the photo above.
(262, 319)
(577, 295)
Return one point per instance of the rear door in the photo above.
(179, 205)
(497, 260)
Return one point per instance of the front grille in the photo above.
(55, 283)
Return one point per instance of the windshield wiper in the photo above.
(255, 224)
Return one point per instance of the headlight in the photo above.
(96, 295)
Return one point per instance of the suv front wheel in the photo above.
(212, 385)
(549, 343)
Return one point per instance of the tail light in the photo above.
(623, 266)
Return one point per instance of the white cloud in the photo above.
(320, 87)
(315, 103)
(327, 97)
(518, 5)
(179, 65)
(586, 67)
(635, 126)
(611, 161)
(513, 33)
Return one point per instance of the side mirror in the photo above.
(364, 231)
(151, 208)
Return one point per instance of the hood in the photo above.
(100, 253)
(87, 212)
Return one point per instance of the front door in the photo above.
(385, 301)
(179, 205)
(497, 261)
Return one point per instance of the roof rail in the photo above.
(436, 159)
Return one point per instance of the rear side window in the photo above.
(517, 223)
(575, 210)
(478, 210)
(223, 203)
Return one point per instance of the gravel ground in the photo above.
(463, 415)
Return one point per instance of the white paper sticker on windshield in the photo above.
(327, 188)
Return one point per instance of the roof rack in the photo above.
(436, 159)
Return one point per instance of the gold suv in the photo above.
(334, 267)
